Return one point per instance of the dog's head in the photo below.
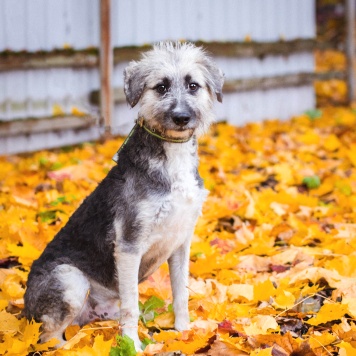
(176, 85)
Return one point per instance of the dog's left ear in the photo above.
(134, 83)
(215, 78)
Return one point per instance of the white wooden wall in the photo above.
(34, 25)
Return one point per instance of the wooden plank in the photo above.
(89, 58)
(118, 95)
(106, 65)
(259, 49)
(58, 123)
(241, 85)
(350, 49)
(55, 59)
(281, 81)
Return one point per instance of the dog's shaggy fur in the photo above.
(143, 213)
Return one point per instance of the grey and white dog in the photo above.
(144, 212)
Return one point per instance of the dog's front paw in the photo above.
(181, 322)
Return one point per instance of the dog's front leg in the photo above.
(128, 266)
(179, 271)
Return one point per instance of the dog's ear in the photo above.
(134, 83)
(214, 77)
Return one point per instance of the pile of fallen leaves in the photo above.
(272, 260)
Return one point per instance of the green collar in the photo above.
(140, 122)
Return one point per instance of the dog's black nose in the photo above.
(181, 119)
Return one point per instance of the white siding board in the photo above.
(268, 27)
(123, 24)
(38, 141)
(3, 38)
(243, 68)
(66, 87)
(56, 24)
(281, 20)
(294, 17)
(123, 118)
(308, 16)
(157, 25)
(218, 21)
(14, 14)
(36, 26)
(253, 15)
(240, 108)
(191, 20)
(118, 75)
(231, 20)
(48, 24)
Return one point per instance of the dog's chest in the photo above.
(175, 214)
(185, 198)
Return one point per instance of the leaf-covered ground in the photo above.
(273, 256)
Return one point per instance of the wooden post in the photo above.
(106, 66)
(350, 48)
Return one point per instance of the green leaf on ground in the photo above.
(125, 347)
(314, 114)
(312, 182)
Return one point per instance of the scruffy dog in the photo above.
(144, 212)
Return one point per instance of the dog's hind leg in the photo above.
(57, 301)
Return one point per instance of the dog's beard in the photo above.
(178, 133)
(181, 134)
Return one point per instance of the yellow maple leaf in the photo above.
(324, 339)
(351, 154)
(9, 324)
(310, 137)
(351, 305)
(26, 253)
(284, 173)
(197, 342)
(261, 324)
(6, 345)
(166, 335)
(12, 287)
(264, 291)
(284, 299)
(163, 321)
(238, 291)
(31, 333)
(331, 143)
(101, 347)
(3, 304)
(262, 352)
(329, 312)
(346, 349)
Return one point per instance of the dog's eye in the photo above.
(193, 87)
(161, 88)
